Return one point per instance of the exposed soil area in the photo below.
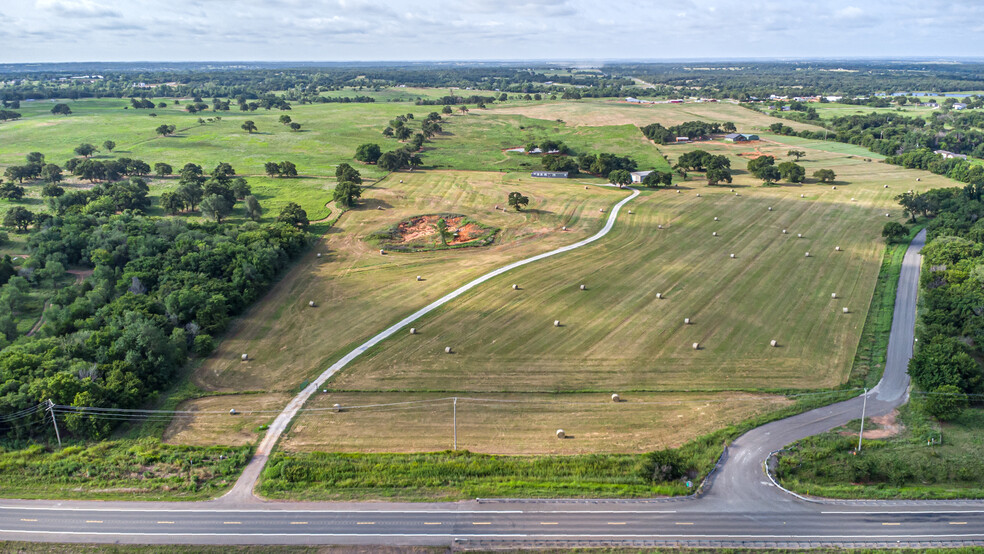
(424, 228)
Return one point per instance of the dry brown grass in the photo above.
(359, 292)
(221, 428)
(596, 113)
(617, 335)
(518, 424)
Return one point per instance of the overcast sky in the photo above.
(346, 30)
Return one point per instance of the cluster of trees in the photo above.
(286, 120)
(349, 184)
(281, 169)
(400, 128)
(954, 168)
(717, 167)
(761, 79)
(604, 163)
(456, 100)
(765, 168)
(952, 289)
(214, 194)
(690, 129)
(160, 289)
(396, 160)
(9, 114)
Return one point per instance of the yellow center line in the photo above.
(432, 523)
(298, 523)
(93, 521)
(684, 523)
(24, 519)
(616, 523)
(958, 523)
(548, 523)
(165, 522)
(890, 523)
(232, 523)
(365, 523)
(481, 523)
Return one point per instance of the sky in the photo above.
(374, 30)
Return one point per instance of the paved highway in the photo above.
(741, 506)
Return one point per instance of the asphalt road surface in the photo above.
(741, 505)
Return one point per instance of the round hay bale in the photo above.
(732, 255)
(336, 408)
(886, 186)
(659, 226)
(245, 357)
(413, 330)
(784, 231)
(564, 228)
(773, 343)
(401, 180)
(496, 207)
(419, 278)
(698, 195)
(382, 252)
(585, 187)
(732, 190)
(715, 219)
(736, 194)
(515, 287)
(447, 349)
(678, 192)
(807, 254)
(659, 295)
(583, 287)
(799, 235)
(770, 208)
(846, 310)
(888, 215)
(696, 346)
(852, 200)
(918, 179)
(686, 321)
(319, 254)
(233, 411)
(556, 323)
(311, 303)
(833, 295)
(833, 188)
(837, 249)
(802, 196)
(714, 234)
(601, 210)
(560, 434)
(630, 212)
(616, 398)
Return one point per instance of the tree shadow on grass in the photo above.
(372, 204)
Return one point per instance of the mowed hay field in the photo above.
(517, 424)
(596, 113)
(360, 292)
(617, 336)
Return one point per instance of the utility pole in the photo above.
(454, 420)
(51, 410)
(864, 405)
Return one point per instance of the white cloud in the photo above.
(76, 8)
(850, 12)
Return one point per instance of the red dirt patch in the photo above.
(425, 226)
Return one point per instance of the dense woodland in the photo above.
(744, 80)
(160, 289)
